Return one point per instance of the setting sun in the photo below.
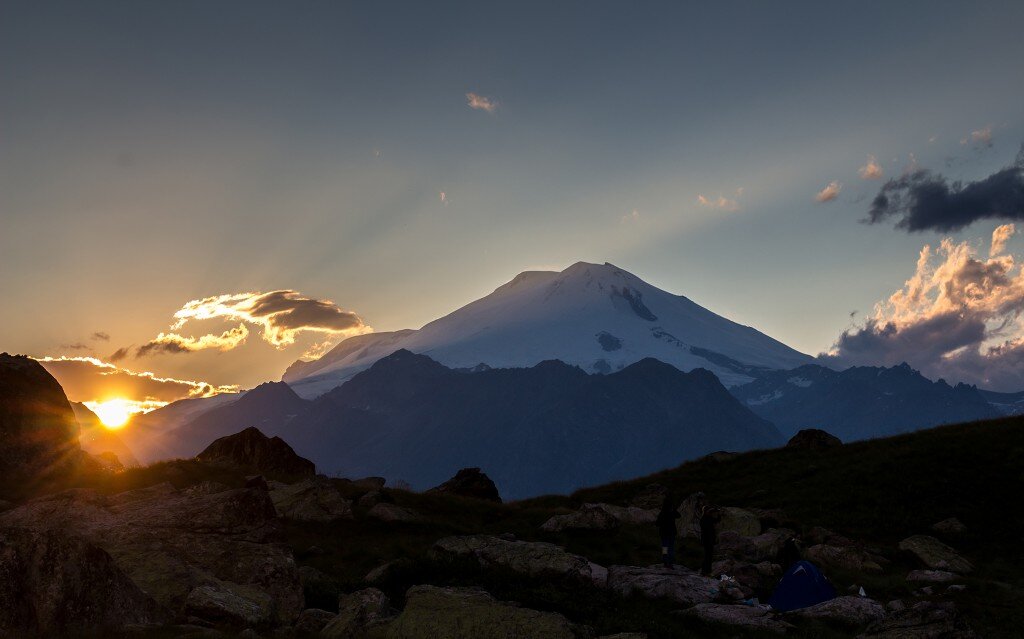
(113, 413)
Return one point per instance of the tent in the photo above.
(803, 585)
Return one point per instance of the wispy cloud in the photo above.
(76, 346)
(721, 202)
(981, 137)
(631, 217)
(88, 379)
(101, 336)
(444, 197)
(830, 192)
(958, 317)
(871, 170)
(481, 102)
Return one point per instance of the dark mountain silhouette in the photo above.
(549, 428)
(252, 451)
(861, 402)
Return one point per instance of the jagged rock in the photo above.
(54, 584)
(845, 557)
(470, 482)
(678, 585)
(951, 527)
(390, 512)
(227, 604)
(850, 611)
(650, 498)
(536, 559)
(759, 577)
(470, 613)
(738, 520)
(754, 617)
(312, 500)
(253, 451)
(312, 620)
(930, 576)
(813, 439)
(357, 613)
(935, 555)
(599, 517)
(38, 429)
(169, 542)
(925, 620)
(763, 547)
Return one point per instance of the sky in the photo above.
(301, 172)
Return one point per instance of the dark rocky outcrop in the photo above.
(53, 584)
(38, 429)
(252, 451)
(813, 439)
(470, 482)
(534, 559)
(315, 499)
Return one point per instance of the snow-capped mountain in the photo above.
(595, 316)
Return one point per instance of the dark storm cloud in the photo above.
(922, 200)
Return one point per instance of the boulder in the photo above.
(312, 620)
(390, 512)
(470, 613)
(54, 584)
(232, 605)
(753, 617)
(951, 527)
(924, 620)
(312, 500)
(650, 498)
(931, 576)
(755, 549)
(738, 520)
(758, 578)
(169, 542)
(813, 439)
(536, 559)
(372, 498)
(848, 611)
(357, 613)
(470, 482)
(935, 555)
(677, 585)
(599, 517)
(689, 515)
(252, 451)
(844, 557)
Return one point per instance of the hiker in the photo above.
(666, 523)
(709, 518)
(790, 553)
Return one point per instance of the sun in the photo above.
(114, 413)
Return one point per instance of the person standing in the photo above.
(709, 518)
(666, 523)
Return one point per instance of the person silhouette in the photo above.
(667, 530)
(709, 518)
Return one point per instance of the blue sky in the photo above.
(153, 153)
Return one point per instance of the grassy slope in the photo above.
(877, 491)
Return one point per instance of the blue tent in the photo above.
(803, 585)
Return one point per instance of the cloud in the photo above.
(830, 192)
(90, 379)
(281, 316)
(872, 170)
(174, 343)
(922, 200)
(77, 346)
(631, 217)
(981, 137)
(721, 203)
(444, 198)
(481, 102)
(1000, 237)
(101, 336)
(958, 317)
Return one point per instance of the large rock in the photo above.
(849, 611)
(536, 559)
(925, 620)
(689, 515)
(228, 604)
(764, 547)
(935, 555)
(951, 527)
(758, 578)
(470, 482)
(599, 517)
(170, 542)
(38, 429)
(315, 499)
(53, 584)
(753, 617)
(357, 613)
(813, 439)
(844, 557)
(252, 451)
(677, 585)
(312, 620)
(385, 511)
(469, 613)
(738, 520)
